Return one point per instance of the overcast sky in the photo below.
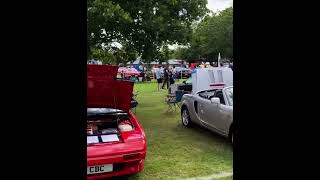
(213, 5)
(219, 5)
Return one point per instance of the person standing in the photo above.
(165, 77)
(170, 80)
(171, 76)
(161, 71)
(140, 67)
(174, 71)
(158, 77)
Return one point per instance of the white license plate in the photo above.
(99, 169)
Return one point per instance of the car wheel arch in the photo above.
(183, 106)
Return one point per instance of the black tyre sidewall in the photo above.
(189, 119)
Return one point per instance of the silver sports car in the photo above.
(212, 109)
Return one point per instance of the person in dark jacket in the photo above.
(171, 80)
(165, 77)
(171, 77)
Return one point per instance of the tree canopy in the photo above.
(213, 35)
(141, 28)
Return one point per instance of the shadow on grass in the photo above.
(170, 113)
(123, 177)
(202, 131)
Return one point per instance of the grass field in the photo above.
(173, 151)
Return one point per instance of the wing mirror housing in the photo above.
(215, 100)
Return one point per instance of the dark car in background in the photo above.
(182, 72)
(186, 85)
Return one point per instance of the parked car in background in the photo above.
(116, 142)
(182, 72)
(127, 73)
(186, 85)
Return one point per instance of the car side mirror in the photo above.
(215, 100)
(184, 82)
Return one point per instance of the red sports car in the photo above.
(129, 72)
(116, 142)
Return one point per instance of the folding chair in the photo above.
(135, 94)
(173, 100)
(134, 101)
(173, 88)
(179, 94)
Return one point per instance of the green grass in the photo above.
(173, 151)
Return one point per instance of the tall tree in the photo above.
(144, 26)
(215, 34)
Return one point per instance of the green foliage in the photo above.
(105, 56)
(186, 53)
(215, 34)
(114, 55)
(144, 26)
(212, 35)
(105, 21)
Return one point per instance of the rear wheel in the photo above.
(185, 117)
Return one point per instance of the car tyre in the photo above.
(185, 117)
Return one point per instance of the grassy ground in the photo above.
(173, 151)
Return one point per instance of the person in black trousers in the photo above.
(165, 77)
(170, 81)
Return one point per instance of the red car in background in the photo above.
(116, 142)
(129, 72)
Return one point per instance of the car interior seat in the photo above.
(219, 95)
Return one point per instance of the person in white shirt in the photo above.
(158, 77)
(161, 71)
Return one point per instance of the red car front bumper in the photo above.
(127, 157)
(121, 169)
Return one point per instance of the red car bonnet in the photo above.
(104, 91)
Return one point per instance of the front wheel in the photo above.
(185, 117)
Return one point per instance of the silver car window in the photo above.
(229, 94)
(220, 77)
(211, 76)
